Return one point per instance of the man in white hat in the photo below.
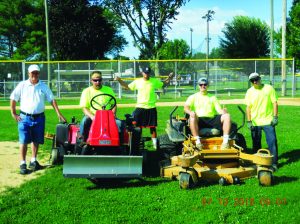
(262, 114)
(32, 94)
(205, 112)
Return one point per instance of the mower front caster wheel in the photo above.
(223, 181)
(186, 181)
(265, 178)
(236, 180)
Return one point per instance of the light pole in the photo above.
(191, 29)
(48, 42)
(208, 18)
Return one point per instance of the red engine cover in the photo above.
(104, 130)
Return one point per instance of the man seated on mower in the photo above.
(86, 96)
(205, 112)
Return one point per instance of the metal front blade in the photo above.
(102, 166)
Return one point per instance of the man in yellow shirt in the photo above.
(205, 112)
(145, 113)
(262, 114)
(86, 96)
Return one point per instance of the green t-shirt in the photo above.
(146, 97)
(90, 92)
(203, 105)
(261, 102)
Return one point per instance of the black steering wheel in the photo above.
(103, 102)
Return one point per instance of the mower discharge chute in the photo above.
(111, 150)
(190, 165)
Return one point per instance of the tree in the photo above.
(293, 32)
(147, 21)
(245, 38)
(22, 29)
(80, 30)
(176, 49)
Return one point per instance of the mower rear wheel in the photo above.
(186, 181)
(265, 178)
(54, 156)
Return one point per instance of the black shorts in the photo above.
(145, 117)
(210, 122)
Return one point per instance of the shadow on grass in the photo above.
(118, 183)
(289, 157)
(283, 179)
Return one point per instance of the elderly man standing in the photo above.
(32, 94)
(205, 112)
(262, 114)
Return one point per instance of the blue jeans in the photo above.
(270, 137)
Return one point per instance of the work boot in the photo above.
(35, 166)
(23, 169)
(225, 146)
(199, 146)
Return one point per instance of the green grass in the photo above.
(54, 199)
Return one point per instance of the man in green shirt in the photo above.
(145, 113)
(205, 112)
(262, 114)
(86, 96)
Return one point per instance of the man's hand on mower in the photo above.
(274, 122)
(250, 125)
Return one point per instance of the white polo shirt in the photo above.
(32, 97)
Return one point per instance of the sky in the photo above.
(190, 16)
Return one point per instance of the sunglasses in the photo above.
(254, 79)
(202, 84)
(97, 80)
(35, 73)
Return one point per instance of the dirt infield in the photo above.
(9, 167)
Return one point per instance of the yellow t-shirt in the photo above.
(203, 105)
(261, 103)
(90, 92)
(146, 97)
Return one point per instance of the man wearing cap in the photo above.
(145, 113)
(86, 96)
(205, 112)
(32, 94)
(262, 114)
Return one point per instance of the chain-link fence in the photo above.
(227, 77)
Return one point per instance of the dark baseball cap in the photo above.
(146, 70)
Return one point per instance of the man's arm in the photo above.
(166, 82)
(122, 83)
(248, 113)
(275, 108)
(59, 115)
(14, 114)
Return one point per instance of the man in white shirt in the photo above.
(31, 94)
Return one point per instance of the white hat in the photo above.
(202, 80)
(32, 68)
(253, 75)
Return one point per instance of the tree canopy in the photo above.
(245, 38)
(293, 32)
(22, 29)
(82, 31)
(147, 21)
(176, 49)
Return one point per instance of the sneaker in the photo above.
(199, 146)
(23, 169)
(225, 146)
(35, 166)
